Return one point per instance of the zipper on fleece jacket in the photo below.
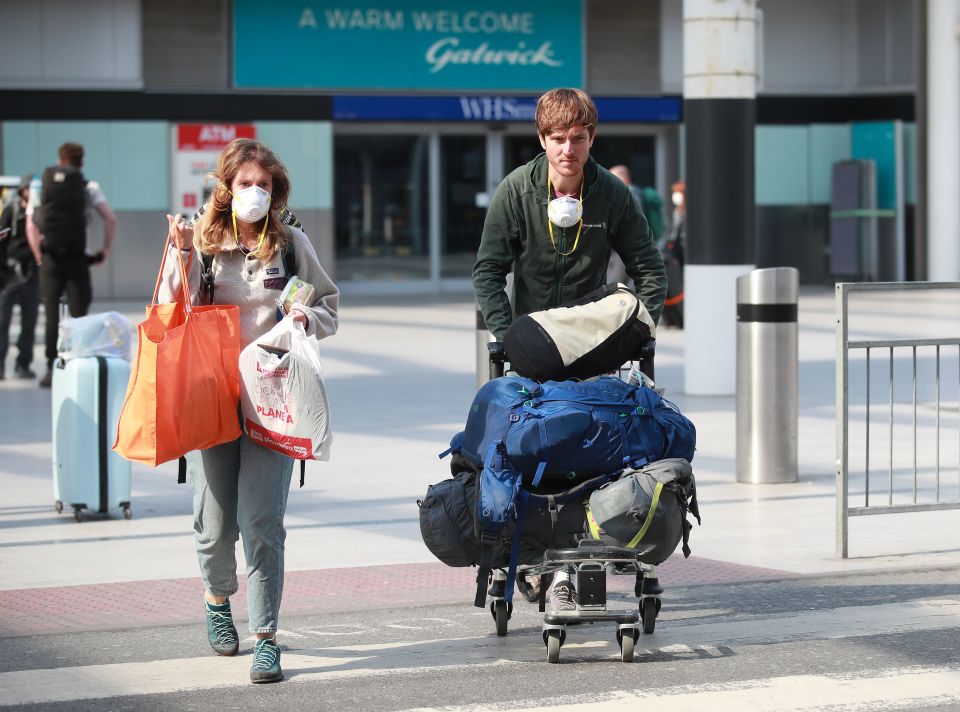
(561, 264)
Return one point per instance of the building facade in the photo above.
(398, 119)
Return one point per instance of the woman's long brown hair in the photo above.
(214, 232)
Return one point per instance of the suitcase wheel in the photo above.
(127, 512)
(58, 506)
(78, 514)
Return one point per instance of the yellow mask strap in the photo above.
(576, 240)
(236, 235)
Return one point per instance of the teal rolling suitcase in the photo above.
(87, 397)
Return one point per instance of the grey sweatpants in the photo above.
(240, 489)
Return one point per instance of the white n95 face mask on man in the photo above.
(565, 211)
(251, 204)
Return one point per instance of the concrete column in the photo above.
(943, 140)
(719, 98)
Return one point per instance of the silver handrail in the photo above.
(843, 348)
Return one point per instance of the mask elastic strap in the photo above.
(236, 235)
(576, 240)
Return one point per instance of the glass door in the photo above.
(463, 165)
(381, 202)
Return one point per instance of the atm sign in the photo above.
(211, 137)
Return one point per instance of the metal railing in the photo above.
(887, 346)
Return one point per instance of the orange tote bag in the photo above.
(185, 384)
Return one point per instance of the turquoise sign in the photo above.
(495, 45)
(877, 140)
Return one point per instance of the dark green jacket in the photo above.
(516, 237)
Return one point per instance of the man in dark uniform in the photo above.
(21, 282)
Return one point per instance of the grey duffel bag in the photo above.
(646, 509)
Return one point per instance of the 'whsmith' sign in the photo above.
(521, 45)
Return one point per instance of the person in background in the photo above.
(21, 282)
(673, 251)
(623, 173)
(240, 488)
(57, 233)
(554, 222)
(651, 205)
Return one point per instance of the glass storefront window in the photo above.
(381, 202)
(519, 150)
(462, 176)
(636, 152)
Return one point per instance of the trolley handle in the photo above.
(644, 358)
(498, 358)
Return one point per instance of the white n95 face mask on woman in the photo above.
(251, 204)
(565, 211)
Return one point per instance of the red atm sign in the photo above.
(211, 137)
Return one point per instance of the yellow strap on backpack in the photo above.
(649, 520)
(595, 528)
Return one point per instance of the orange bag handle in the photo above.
(184, 284)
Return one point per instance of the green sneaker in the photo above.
(266, 661)
(221, 632)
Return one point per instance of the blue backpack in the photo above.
(521, 433)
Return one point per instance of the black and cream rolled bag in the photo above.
(593, 335)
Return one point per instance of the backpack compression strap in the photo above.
(515, 547)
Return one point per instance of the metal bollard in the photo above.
(767, 375)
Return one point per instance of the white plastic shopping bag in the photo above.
(282, 396)
(106, 334)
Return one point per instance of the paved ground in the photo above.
(858, 642)
(400, 376)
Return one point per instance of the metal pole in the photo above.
(943, 139)
(484, 337)
(842, 419)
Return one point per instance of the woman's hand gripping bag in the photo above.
(282, 396)
(184, 383)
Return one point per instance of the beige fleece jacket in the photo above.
(254, 285)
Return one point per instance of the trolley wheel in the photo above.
(501, 610)
(127, 513)
(649, 607)
(58, 507)
(626, 648)
(553, 646)
(78, 514)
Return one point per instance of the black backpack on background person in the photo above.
(14, 249)
(63, 211)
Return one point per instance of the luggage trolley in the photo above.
(589, 564)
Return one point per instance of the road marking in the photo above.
(887, 689)
(423, 656)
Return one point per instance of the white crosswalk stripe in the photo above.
(404, 658)
(913, 688)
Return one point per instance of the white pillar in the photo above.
(719, 92)
(943, 140)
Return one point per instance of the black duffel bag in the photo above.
(593, 335)
(450, 528)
